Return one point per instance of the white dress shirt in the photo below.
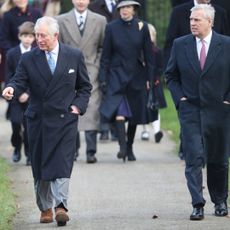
(23, 49)
(207, 41)
(54, 53)
(78, 15)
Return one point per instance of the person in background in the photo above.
(127, 53)
(197, 75)
(18, 105)
(178, 2)
(157, 88)
(59, 87)
(108, 9)
(87, 36)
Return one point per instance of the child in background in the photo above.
(18, 105)
(159, 94)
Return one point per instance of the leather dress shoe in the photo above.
(91, 159)
(46, 216)
(130, 154)
(16, 155)
(61, 216)
(221, 209)
(158, 136)
(197, 213)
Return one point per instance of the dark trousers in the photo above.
(19, 136)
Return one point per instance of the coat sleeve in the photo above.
(83, 86)
(172, 75)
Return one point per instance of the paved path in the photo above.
(114, 195)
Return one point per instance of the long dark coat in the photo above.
(204, 113)
(51, 126)
(16, 109)
(126, 53)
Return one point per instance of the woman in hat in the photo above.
(125, 71)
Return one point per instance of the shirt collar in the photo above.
(207, 39)
(23, 49)
(77, 14)
(54, 51)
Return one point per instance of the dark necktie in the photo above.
(202, 54)
(81, 25)
(113, 6)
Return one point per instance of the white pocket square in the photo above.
(71, 70)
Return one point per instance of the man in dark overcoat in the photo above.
(59, 91)
(198, 77)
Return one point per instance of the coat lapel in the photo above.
(191, 52)
(60, 68)
(214, 49)
(42, 62)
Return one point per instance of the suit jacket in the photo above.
(91, 45)
(205, 91)
(16, 109)
(52, 127)
(179, 24)
(100, 7)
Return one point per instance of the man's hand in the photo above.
(8, 93)
(183, 99)
(23, 97)
(75, 109)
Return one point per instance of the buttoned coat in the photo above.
(127, 63)
(52, 127)
(204, 111)
(91, 45)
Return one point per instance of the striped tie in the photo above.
(81, 25)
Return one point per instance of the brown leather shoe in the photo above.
(47, 216)
(61, 216)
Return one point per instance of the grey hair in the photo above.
(209, 11)
(51, 23)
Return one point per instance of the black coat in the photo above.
(100, 7)
(179, 24)
(127, 46)
(52, 128)
(204, 111)
(10, 23)
(16, 109)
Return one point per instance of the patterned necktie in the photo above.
(202, 54)
(81, 25)
(51, 62)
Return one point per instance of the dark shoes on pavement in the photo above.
(91, 159)
(104, 136)
(16, 155)
(158, 136)
(46, 216)
(221, 209)
(197, 213)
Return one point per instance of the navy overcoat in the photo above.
(126, 64)
(52, 128)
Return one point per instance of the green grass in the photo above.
(7, 199)
(169, 118)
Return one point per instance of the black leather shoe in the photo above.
(158, 136)
(131, 156)
(91, 159)
(104, 136)
(16, 155)
(221, 209)
(197, 213)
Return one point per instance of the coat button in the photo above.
(62, 115)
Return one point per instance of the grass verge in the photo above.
(7, 199)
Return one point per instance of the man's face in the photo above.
(45, 40)
(80, 5)
(199, 25)
(203, 1)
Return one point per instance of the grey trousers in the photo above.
(50, 194)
